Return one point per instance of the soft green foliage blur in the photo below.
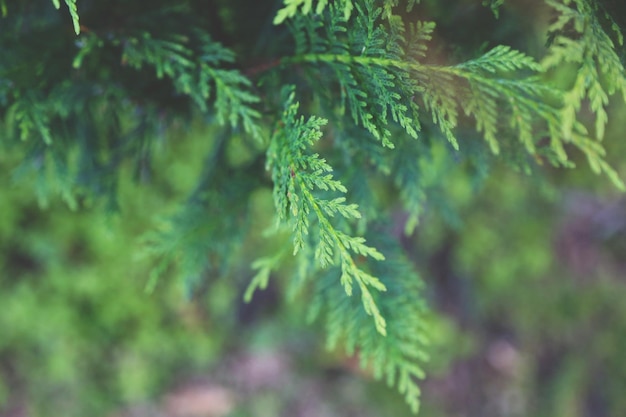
(79, 332)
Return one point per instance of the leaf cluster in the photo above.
(578, 37)
(397, 357)
(299, 177)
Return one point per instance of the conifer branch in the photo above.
(488, 85)
(71, 5)
(292, 7)
(380, 73)
(601, 72)
(298, 176)
(193, 74)
(397, 357)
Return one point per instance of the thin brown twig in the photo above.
(262, 67)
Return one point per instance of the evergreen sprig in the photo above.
(71, 5)
(366, 64)
(291, 8)
(379, 75)
(488, 92)
(380, 72)
(299, 177)
(193, 73)
(397, 357)
(578, 37)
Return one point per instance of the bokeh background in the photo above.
(526, 279)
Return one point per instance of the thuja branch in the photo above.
(299, 177)
(367, 61)
(498, 90)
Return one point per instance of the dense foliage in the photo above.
(353, 115)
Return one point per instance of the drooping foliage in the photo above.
(298, 176)
(578, 37)
(339, 101)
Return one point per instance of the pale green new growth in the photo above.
(291, 8)
(71, 5)
(600, 73)
(305, 6)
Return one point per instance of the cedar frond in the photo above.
(299, 177)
